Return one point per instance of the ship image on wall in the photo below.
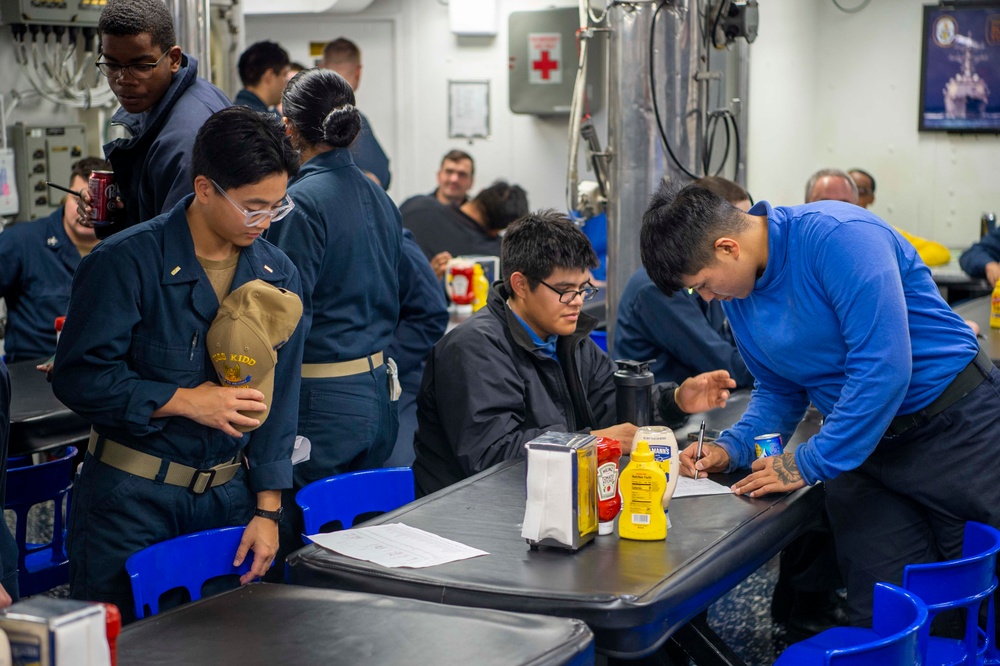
(966, 39)
(966, 95)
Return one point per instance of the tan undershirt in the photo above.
(220, 274)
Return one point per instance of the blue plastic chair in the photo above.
(897, 637)
(40, 566)
(963, 583)
(186, 562)
(344, 497)
(601, 339)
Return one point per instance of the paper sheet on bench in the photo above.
(688, 487)
(395, 545)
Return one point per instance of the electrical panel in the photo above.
(81, 13)
(543, 62)
(44, 154)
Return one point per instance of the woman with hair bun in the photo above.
(344, 236)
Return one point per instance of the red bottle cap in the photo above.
(113, 627)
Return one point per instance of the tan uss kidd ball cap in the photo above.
(252, 323)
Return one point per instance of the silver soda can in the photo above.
(768, 445)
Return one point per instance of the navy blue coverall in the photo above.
(8, 547)
(37, 262)
(344, 236)
(686, 335)
(423, 319)
(153, 167)
(135, 333)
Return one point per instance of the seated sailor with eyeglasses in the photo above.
(525, 364)
(163, 105)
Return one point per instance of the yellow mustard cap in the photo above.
(641, 452)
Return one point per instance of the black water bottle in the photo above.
(634, 392)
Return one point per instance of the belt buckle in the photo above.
(197, 478)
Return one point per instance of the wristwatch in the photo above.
(272, 515)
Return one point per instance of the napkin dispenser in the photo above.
(561, 509)
(45, 631)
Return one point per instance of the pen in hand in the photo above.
(64, 189)
(701, 440)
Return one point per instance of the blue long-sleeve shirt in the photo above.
(973, 261)
(686, 335)
(845, 315)
(139, 313)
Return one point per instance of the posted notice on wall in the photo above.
(395, 545)
(469, 109)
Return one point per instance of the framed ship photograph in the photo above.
(960, 68)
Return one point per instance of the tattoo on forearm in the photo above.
(787, 469)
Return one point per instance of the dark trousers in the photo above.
(352, 425)
(909, 501)
(115, 514)
(808, 573)
(350, 422)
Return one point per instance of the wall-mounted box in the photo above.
(543, 62)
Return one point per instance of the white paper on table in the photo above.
(688, 487)
(395, 545)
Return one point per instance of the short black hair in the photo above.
(542, 242)
(258, 59)
(866, 175)
(501, 204)
(679, 230)
(124, 18)
(456, 155)
(238, 146)
(320, 104)
(87, 166)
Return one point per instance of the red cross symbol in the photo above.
(545, 65)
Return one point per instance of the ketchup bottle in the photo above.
(609, 502)
(461, 284)
(113, 626)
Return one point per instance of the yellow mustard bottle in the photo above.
(995, 307)
(480, 287)
(642, 485)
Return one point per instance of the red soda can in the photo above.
(103, 192)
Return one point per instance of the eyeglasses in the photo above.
(567, 296)
(253, 218)
(140, 72)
